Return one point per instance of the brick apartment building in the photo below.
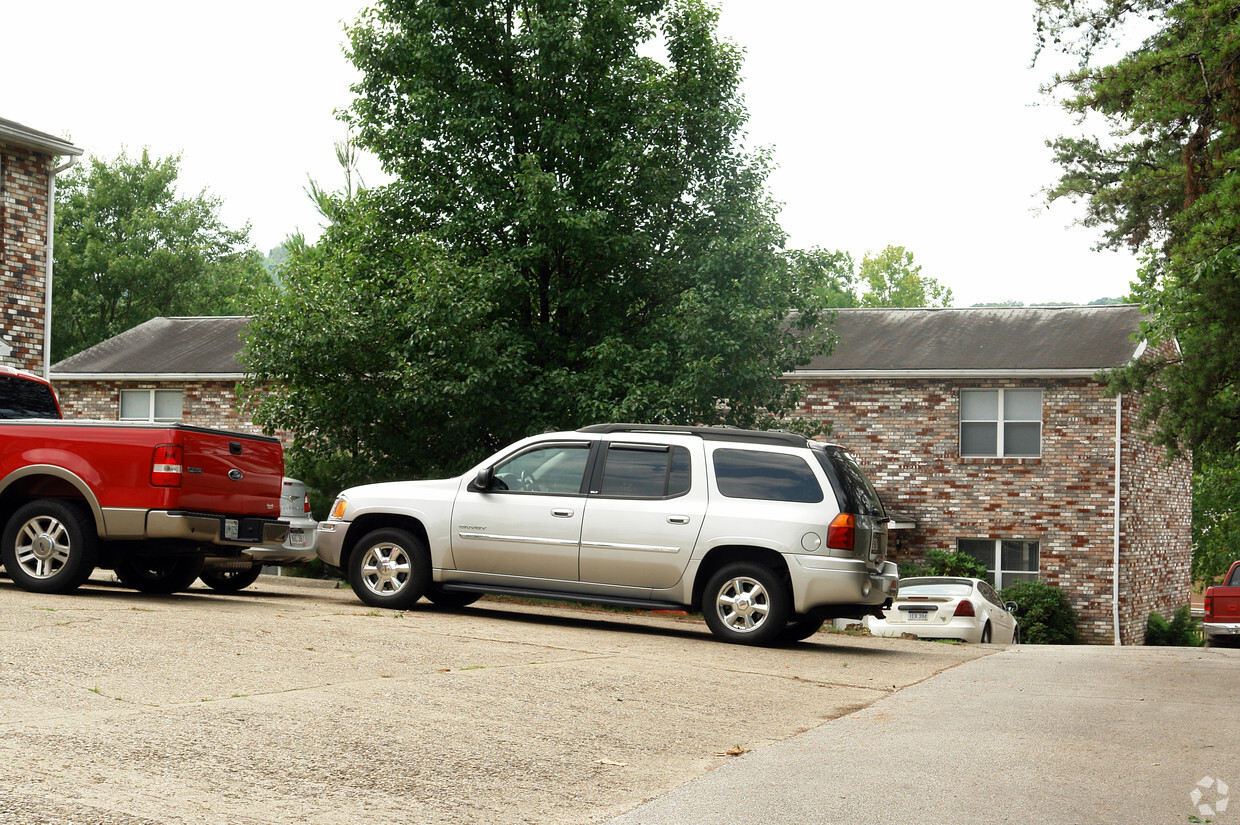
(28, 169)
(987, 431)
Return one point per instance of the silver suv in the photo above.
(769, 534)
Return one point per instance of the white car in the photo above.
(946, 607)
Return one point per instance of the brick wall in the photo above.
(905, 434)
(23, 256)
(205, 403)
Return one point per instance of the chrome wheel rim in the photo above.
(43, 547)
(743, 604)
(386, 568)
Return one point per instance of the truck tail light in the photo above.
(167, 465)
(965, 608)
(1209, 611)
(842, 532)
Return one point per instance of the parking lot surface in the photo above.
(296, 704)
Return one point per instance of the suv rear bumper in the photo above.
(820, 581)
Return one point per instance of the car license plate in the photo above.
(232, 529)
(918, 615)
(296, 537)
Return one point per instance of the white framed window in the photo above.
(151, 405)
(1001, 423)
(1007, 561)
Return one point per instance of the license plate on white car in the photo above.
(918, 616)
(296, 537)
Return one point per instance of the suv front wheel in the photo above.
(746, 603)
(390, 568)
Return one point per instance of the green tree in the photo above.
(1216, 517)
(892, 279)
(128, 249)
(1163, 183)
(830, 275)
(572, 235)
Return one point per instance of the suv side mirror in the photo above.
(482, 481)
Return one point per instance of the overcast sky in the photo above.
(904, 122)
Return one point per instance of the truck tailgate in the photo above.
(232, 473)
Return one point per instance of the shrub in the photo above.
(1046, 616)
(1180, 631)
(945, 563)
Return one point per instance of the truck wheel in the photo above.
(746, 603)
(390, 567)
(230, 581)
(50, 546)
(158, 574)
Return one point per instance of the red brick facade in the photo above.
(905, 433)
(23, 256)
(205, 403)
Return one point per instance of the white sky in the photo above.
(903, 122)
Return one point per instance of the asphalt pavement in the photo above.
(1033, 734)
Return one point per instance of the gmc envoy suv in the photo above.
(768, 534)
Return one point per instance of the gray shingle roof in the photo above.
(16, 134)
(1076, 339)
(204, 346)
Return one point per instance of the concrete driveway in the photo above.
(289, 704)
(1131, 736)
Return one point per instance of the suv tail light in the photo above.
(965, 608)
(842, 532)
(166, 465)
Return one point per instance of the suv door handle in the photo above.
(677, 519)
(562, 512)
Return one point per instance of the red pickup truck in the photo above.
(1222, 623)
(150, 501)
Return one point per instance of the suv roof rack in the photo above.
(782, 437)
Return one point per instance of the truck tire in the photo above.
(230, 581)
(390, 567)
(50, 546)
(746, 603)
(158, 574)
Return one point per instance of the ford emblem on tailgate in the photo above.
(236, 475)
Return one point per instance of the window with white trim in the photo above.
(151, 405)
(1001, 423)
(1007, 561)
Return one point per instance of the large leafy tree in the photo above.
(892, 278)
(129, 248)
(1163, 182)
(572, 234)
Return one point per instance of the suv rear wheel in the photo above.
(746, 603)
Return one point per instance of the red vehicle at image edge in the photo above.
(1222, 620)
(150, 501)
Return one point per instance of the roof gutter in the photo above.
(150, 376)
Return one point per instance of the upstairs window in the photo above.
(151, 405)
(1001, 423)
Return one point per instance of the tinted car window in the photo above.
(854, 489)
(767, 476)
(20, 398)
(640, 471)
